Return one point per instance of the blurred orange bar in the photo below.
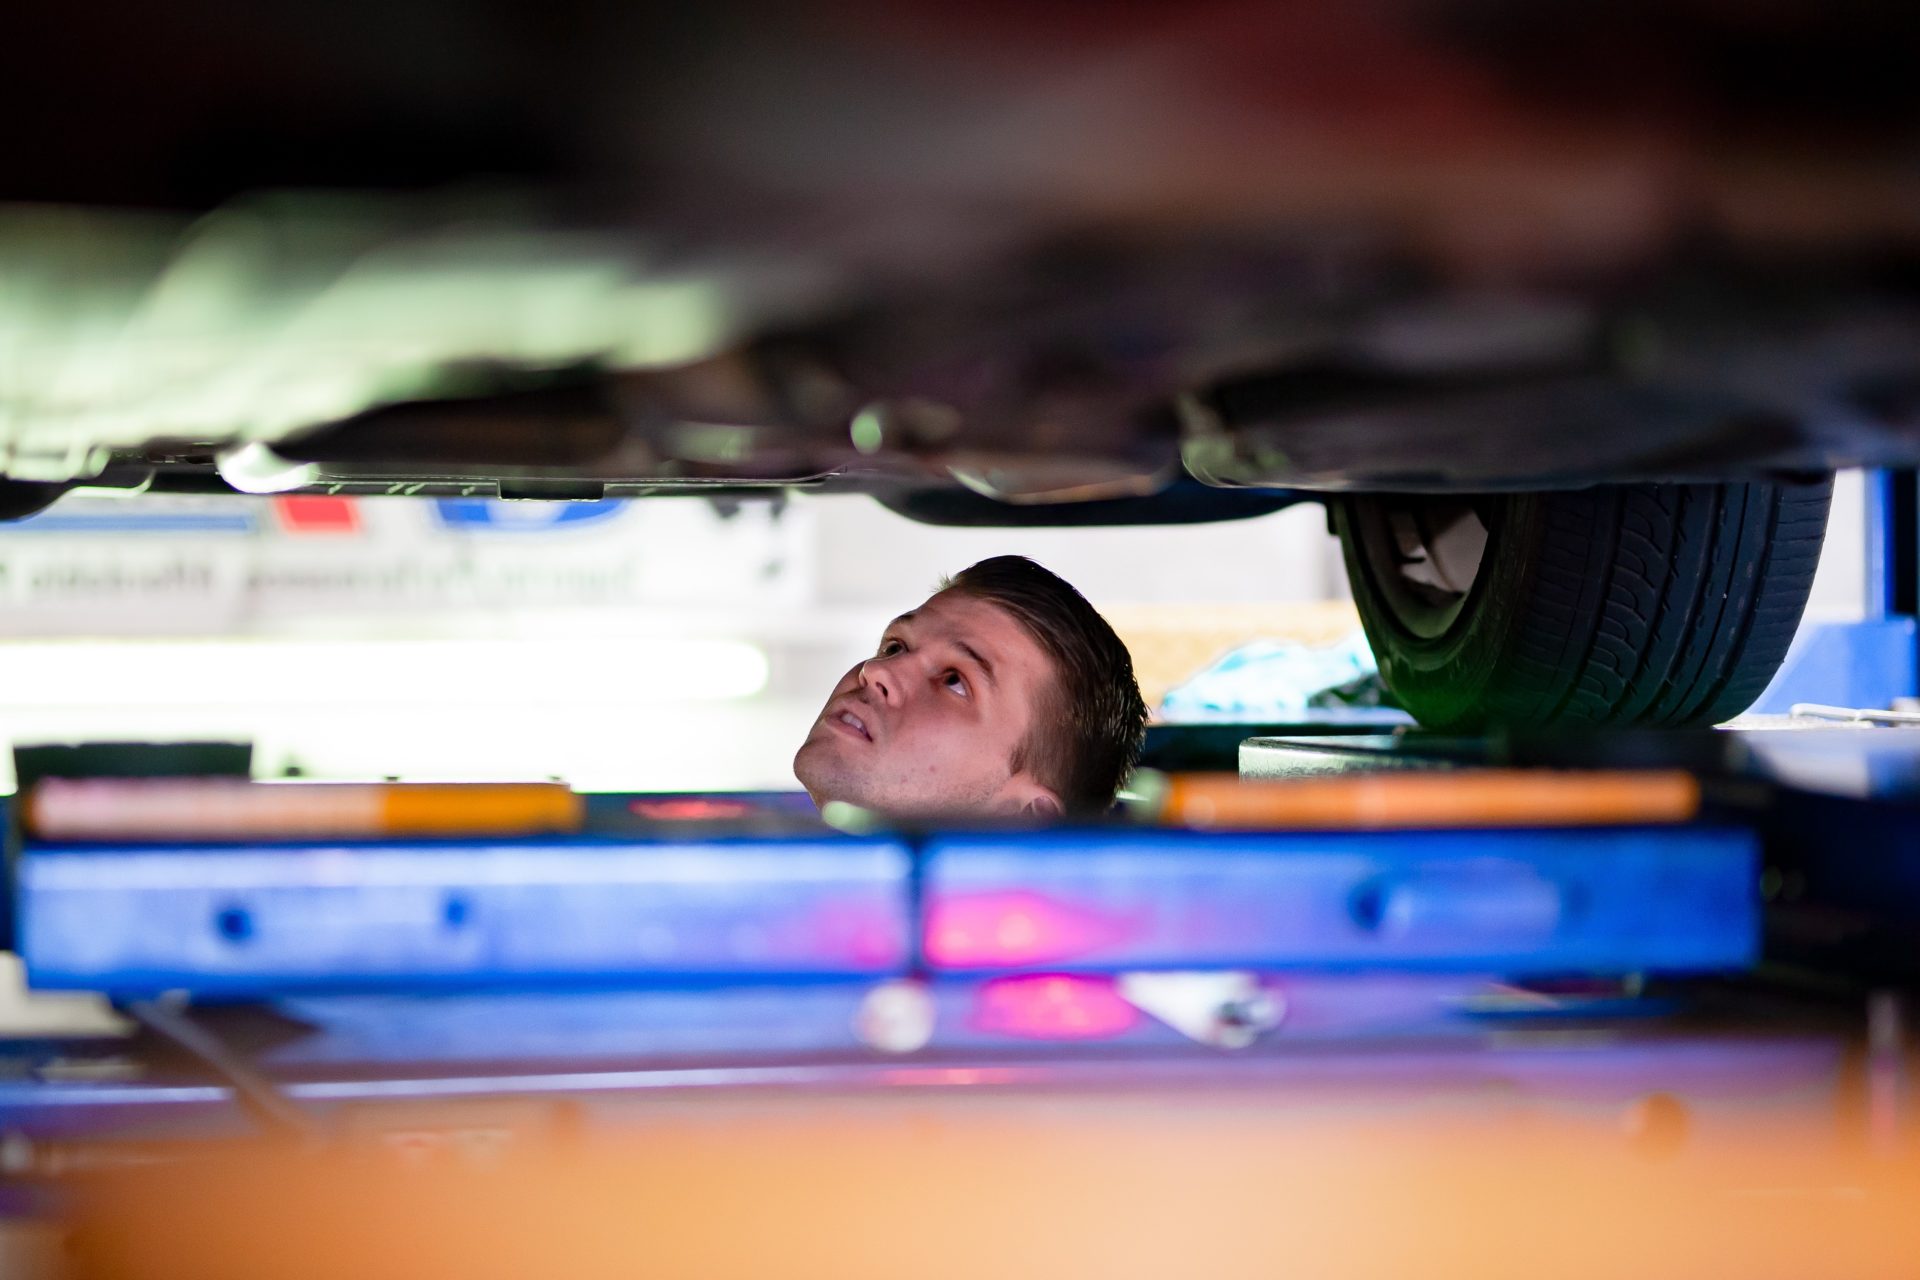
(462, 808)
(1463, 798)
(235, 809)
(1190, 1185)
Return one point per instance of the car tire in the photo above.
(1624, 605)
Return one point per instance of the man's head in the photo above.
(1005, 693)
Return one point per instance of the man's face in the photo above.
(930, 723)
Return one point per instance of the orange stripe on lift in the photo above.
(493, 808)
(1464, 798)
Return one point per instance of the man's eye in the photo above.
(890, 647)
(956, 682)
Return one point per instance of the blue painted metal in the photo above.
(1516, 902)
(714, 1024)
(1847, 664)
(755, 1022)
(1881, 561)
(267, 920)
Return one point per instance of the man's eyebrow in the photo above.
(971, 652)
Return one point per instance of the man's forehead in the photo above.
(954, 608)
(983, 620)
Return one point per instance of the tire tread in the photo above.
(1627, 605)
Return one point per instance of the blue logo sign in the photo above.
(494, 514)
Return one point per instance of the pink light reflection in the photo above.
(1054, 1007)
(1006, 929)
(917, 1077)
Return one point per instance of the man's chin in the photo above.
(827, 785)
(826, 773)
(820, 771)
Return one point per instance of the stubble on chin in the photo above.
(814, 767)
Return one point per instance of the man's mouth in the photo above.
(848, 722)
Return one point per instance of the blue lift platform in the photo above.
(299, 983)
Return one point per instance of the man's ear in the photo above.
(1027, 798)
(1044, 806)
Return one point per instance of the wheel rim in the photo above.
(1424, 553)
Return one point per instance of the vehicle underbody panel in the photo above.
(1038, 259)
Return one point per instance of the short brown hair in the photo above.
(1086, 738)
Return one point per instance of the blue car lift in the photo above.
(258, 921)
(307, 977)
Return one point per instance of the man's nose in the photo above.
(880, 680)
